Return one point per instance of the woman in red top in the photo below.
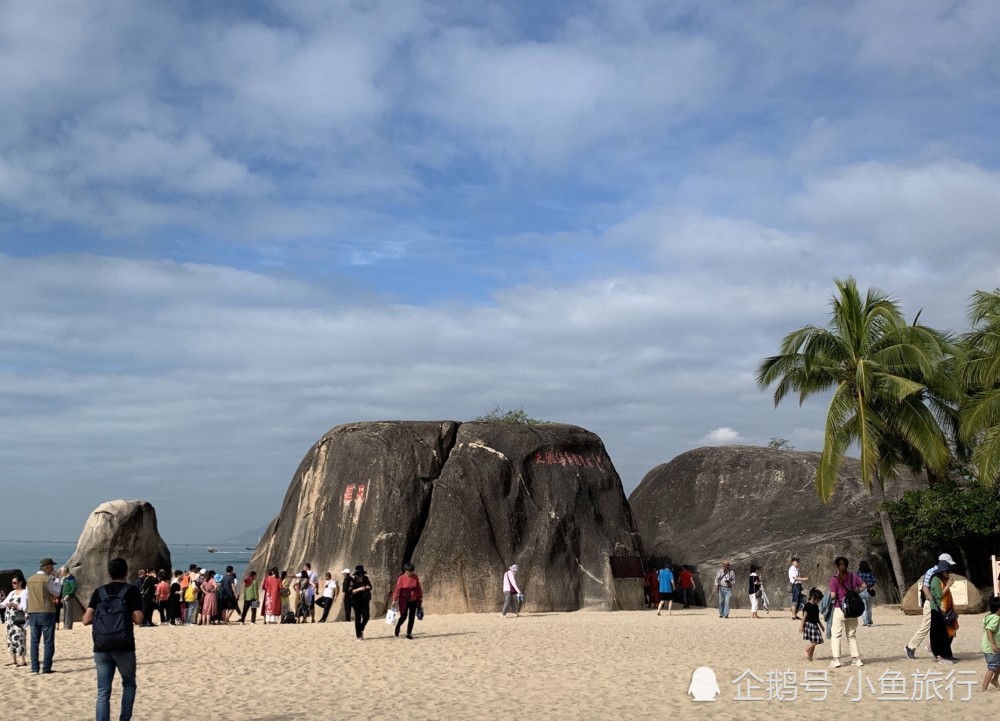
(162, 595)
(407, 597)
(271, 589)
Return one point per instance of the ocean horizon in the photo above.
(25, 555)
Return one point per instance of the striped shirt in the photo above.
(724, 578)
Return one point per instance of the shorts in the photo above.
(992, 661)
(228, 604)
(666, 595)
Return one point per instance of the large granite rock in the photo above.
(463, 502)
(752, 505)
(117, 528)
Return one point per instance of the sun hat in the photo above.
(46, 562)
(943, 566)
(946, 558)
(359, 569)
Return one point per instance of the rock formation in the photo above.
(757, 505)
(463, 502)
(117, 528)
(976, 600)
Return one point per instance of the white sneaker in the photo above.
(857, 662)
(834, 663)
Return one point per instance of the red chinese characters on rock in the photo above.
(568, 458)
(354, 492)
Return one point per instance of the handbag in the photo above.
(19, 618)
(390, 617)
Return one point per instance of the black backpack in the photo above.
(853, 606)
(289, 617)
(112, 625)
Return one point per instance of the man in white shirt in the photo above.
(794, 578)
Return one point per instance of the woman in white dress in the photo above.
(17, 600)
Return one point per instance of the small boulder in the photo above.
(116, 528)
(977, 600)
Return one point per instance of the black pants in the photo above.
(940, 640)
(409, 615)
(147, 610)
(361, 613)
(326, 604)
(253, 612)
(347, 608)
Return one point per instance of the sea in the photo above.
(25, 555)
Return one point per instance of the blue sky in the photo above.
(228, 227)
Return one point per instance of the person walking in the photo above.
(910, 649)
(408, 598)
(511, 592)
(811, 627)
(114, 610)
(15, 607)
(724, 580)
(843, 627)
(43, 590)
(866, 575)
(944, 620)
(666, 580)
(361, 598)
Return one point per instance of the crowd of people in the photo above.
(836, 611)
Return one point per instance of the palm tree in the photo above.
(885, 375)
(981, 373)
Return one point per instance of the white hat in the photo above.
(203, 571)
(347, 571)
(947, 558)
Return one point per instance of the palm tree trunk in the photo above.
(890, 542)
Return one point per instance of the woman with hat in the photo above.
(361, 598)
(944, 621)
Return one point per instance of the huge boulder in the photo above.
(117, 528)
(462, 501)
(752, 505)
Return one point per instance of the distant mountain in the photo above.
(247, 538)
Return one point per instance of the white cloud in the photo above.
(724, 436)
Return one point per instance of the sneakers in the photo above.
(910, 653)
(857, 662)
(834, 663)
(949, 661)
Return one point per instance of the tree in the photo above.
(881, 372)
(514, 417)
(780, 444)
(980, 422)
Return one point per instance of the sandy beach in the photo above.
(585, 665)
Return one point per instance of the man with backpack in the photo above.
(113, 611)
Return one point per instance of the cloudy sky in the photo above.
(227, 227)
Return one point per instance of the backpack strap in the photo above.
(122, 592)
(102, 592)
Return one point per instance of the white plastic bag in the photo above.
(390, 616)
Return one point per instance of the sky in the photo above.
(228, 227)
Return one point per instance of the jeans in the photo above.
(192, 613)
(724, 595)
(107, 662)
(797, 599)
(866, 617)
(687, 594)
(69, 606)
(43, 626)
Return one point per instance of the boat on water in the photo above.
(211, 550)
(250, 548)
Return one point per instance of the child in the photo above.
(991, 627)
(811, 626)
